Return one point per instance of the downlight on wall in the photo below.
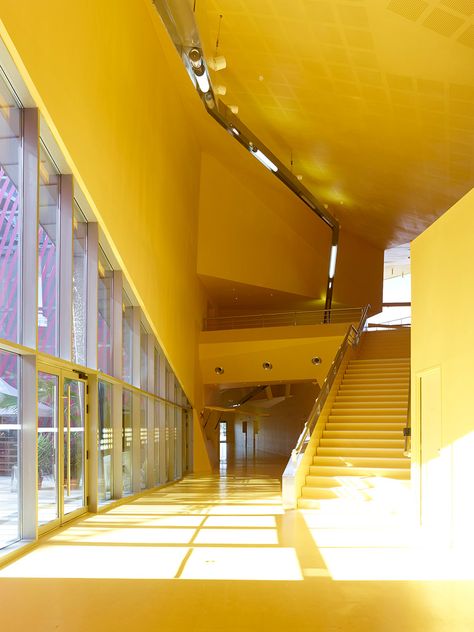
(219, 370)
(316, 360)
(267, 366)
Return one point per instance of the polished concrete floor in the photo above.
(218, 553)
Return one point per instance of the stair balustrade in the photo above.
(299, 459)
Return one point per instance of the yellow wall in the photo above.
(97, 70)
(98, 73)
(258, 232)
(442, 261)
(359, 273)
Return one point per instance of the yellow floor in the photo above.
(219, 553)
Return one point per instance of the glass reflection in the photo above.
(105, 438)
(79, 287)
(10, 216)
(104, 324)
(74, 445)
(143, 441)
(48, 256)
(127, 339)
(48, 508)
(127, 442)
(10, 480)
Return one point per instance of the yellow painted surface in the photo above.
(443, 336)
(114, 108)
(99, 75)
(258, 236)
(289, 349)
(359, 273)
(372, 98)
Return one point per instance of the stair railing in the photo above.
(351, 339)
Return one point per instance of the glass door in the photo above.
(61, 446)
(74, 452)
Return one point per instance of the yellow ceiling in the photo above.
(374, 99)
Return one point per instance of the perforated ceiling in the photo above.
(374, 99)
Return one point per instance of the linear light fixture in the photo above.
(332, 261)
(203, 82)
(260, 156)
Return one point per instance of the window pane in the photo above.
(127, 439)
(48, 508)
(10, 483)
(106, 442)
(169, 452)
(79, 287)
(10, 216)
(48, 257)
(143, 358)
(156, 445)
(105, 295)
(157, 371)
(143, 441)
(127, 339)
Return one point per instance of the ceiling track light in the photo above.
(200, 73)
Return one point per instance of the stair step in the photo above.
(369, 425)
(375, 381)
(343, 410)
(375, 362)
(373, 414)
(372, 392)
(362, 400)
(359, 461)
(346, 452)
(402, 371)
(362, 433)
(366, 443)
(382, 404)
(375, 386)
(334, 470)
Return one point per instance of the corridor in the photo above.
(218, 553)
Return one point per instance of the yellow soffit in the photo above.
(373, 100)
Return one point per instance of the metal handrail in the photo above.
(351, 338)
(323, 316)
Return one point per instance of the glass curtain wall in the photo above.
(156, 445)
(105, 314)
(143, 441)
(62, 476)
(127, 339)
(127, 442)
(10, 216)
(48, 449)
(48, 257)
(106, 443)
(79, 287)
(10, 448)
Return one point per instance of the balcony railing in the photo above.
(285, 319)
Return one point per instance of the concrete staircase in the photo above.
(363, 442)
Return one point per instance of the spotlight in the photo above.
(217, 63)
